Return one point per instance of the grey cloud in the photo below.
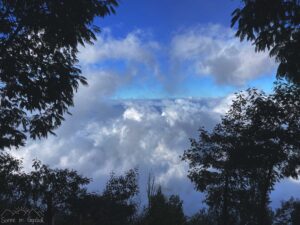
(215, 51)
(104, 134)
(148, 134)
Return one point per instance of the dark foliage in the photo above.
(60, 196)
(204, 217)
(288, 213)
(38, 73)
(272, 25)
(163, 210)
(62, 199)
(255, 145)
(54, 190)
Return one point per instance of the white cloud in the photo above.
(105, 134)
(148, 134)
(224, 105)
(135, 47)
(215, 51)
(132, 114)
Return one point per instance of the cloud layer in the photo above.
(202, 51)
(107, 134)
(115, 135)
(215, 51)
(112, 135)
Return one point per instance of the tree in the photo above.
(10, 170)
(288, 213)
(163, 210)
(214, 171)
(119, 196)
(38, 73)
(115, 206)
(203, 217)
(55, 189)
(272, 25)
(253, 147)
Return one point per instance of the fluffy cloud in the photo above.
(135, 47)
(210, 50)
(105, 134)
(115, 135)
(214, 51)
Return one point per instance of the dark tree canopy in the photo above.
(38, 73)
(255, 145)
(55, 189)
(288, 213)
(272, 25)
(115, 206)
(163, 210)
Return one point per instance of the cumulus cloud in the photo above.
(215, 51)
(134, 47)
(119, 135)
(116, 135)
(210, 50)
(106, 134)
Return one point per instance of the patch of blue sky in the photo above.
(164, 17)
(205, 86)
(162, 20)
(141, 89)
(265, 83)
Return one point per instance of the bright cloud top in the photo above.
(107, 134)
(119, 135)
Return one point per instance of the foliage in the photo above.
(254, 146)
(163, 210)
(272, 25)
(54, 189)
(115, 206)
(72, 204)
(38, 73)
(10, 171)
(288, 213)
(203, 217)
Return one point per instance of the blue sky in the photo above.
(162, 20)
(163, 17)
(159, 70)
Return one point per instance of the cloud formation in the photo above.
(215, 51)
(115, 135)
(119, 135)
(205, 51)
(135, 47)
(105, 134)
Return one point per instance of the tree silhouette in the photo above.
(9, 173)
(288, 213)
(38, 73)
(119, 193)
(272, 25)
(55, 189)
(253, 147)
(115, 206)
(203, 217)
(162, 210)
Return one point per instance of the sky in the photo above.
(159, 70)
